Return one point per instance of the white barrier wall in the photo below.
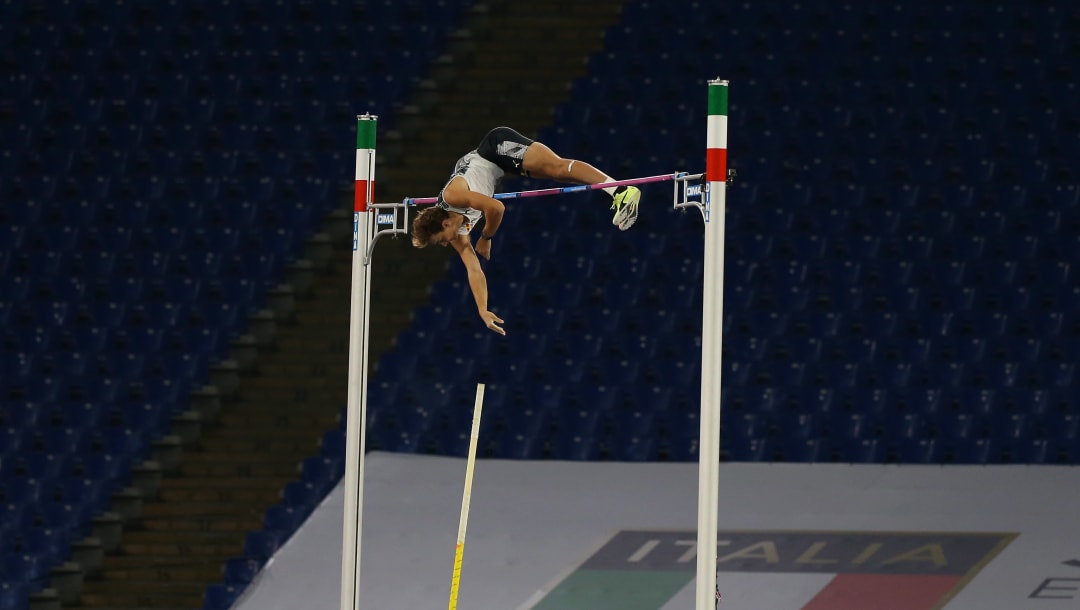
(573, 535)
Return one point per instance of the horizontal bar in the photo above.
(570, 189)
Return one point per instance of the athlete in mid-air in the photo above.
(469, 196)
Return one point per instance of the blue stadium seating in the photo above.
(901, 233)
(134, 186)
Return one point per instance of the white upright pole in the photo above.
(360, 300)
(711, 340)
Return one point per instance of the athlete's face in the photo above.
(449, 231)
(444, 237)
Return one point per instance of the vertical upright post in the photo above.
(711, 340)
(356, 418)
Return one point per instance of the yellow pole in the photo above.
(463, 523)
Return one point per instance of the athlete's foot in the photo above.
(625, 204)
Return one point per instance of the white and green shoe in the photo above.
(625, 204)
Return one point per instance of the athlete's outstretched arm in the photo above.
(477, 282)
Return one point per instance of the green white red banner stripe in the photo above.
(716, 139)
(365, 151)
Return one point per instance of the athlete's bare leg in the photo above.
(541, 162)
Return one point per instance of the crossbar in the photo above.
(569, 189)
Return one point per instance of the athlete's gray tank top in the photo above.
(482, 176)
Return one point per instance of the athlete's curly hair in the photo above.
(427, 223)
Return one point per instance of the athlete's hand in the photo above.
(483, 248)
(492, 321)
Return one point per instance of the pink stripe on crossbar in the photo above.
(565, 189)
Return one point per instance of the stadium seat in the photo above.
(968, 451)
(759, 399)
(863, 399)
(515, 442)
(745, 348)
(13, 595)
(1061, 427)
(861, 247)
(916, 350)
(240, 570)
(332, 444)
(322, 471)
(924, 401)
(802, 348)
(1023, 399)
(802, 450)
(80, 497)
(261, 545)
(996, 374)
(222, 596)
(892, 374)
(33, 569)
(943, 375)
(824, 324)
(881, 325)
(838, 298)
(570, 445)
(1035, 451)
(918, 450)
(304, 494)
